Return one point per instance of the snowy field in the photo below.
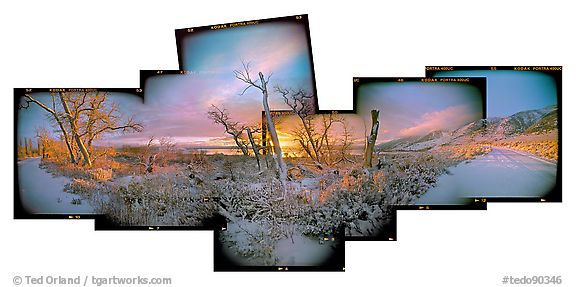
(43, 193)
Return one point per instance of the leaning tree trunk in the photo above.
(66, 138)
(254, 147)
(74, 128)
(282, 172)
(371, 140)
(307, 129)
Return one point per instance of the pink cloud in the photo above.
(270, 55)
(447, 119)
(275, 55)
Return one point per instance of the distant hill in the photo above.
(416, 142)
(526, 122)
(518, 123)
(396, 144)
(546, 124)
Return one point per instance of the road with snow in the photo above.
(42, 193)
(500, 173)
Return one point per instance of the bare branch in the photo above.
(222, 117)
(244, 76)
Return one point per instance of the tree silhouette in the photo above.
(261, 84)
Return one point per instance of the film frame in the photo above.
(555, 73)
(389, 231)
(302, 20)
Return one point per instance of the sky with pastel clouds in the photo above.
(418, 108)
(277, 48)
(176, 105)
(511, 91)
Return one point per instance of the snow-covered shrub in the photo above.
(101, 173)
(413, 173)
(352, 212)
(80, 186)
(359, 201)
(159, 199)
(76, 201)
(250, 240)
(258, 214)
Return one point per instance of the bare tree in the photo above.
(73, 118)
(45, 142)
(302, 104)
(53, 112)
(301, 136)
(371, 139)
(326, 144)
(166, 150)
(85, 116)
(102, 116)
(313, 137)
(148, 157)
(222, 117)
(262, 85)
(345, 145)
(157, 152)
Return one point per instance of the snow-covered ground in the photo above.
(302, 252)
(297, 250)
(500, 173)
(42, 193)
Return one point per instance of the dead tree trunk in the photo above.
(244, 76)
(149, 164)
(371, 140)
(75, 134)
(148, 158)
(282, 172)
(254, 147)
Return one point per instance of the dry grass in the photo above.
(542, 145)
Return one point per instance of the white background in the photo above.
(105, 43)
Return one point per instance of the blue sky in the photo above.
(34, 117)
(417, 108)
(509, 92)
(278, 48)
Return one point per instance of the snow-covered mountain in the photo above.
(485, 130)
(427, 141)
(519, 123)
